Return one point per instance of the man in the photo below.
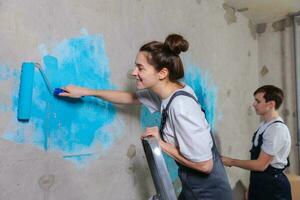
(271, 145)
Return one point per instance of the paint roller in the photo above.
(26, 88)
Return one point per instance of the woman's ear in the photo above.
(163, 73)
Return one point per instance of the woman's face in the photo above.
(145, 73)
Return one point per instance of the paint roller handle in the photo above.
(38, 65)
(58, 91)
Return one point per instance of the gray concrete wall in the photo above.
(223, 44)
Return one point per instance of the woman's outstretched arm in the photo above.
(114, 96)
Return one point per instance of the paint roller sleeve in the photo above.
(26, 88)
(25, 91)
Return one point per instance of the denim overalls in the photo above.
(271, 184)
(195, 184)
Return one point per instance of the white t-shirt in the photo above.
(276, 141)
(186, 126)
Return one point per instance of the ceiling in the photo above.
(265, 11)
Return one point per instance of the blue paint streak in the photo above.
(69, 125)
(171, 166)
(81, 159)
(18, 137)
(148, 119)
(11, 77)
(205, 91)
(5, 72)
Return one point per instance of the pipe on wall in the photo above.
(296, 45)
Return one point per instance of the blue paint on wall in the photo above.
(8, 77)
(76, 127)
(6, 72)
(81, 159)
(148, 119)
(205, 90)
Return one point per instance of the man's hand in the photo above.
(227, 161)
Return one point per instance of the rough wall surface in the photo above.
(52, 32)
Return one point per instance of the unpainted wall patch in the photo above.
(132, 168)
(281, 24)
(198, 1)
(252, 28)
(286, 112)
(261, 28)
(288, 22)
(46, 181)
(264, 70)
(131, 152)
(229, 15)
(228, 93)
(242, 9)
(249, 111)
(278, 26)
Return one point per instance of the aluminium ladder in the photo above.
(159, 171)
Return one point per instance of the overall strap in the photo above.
(260, 140)
(165, 114)
(181, 92)
(254, 136)
(261, 135)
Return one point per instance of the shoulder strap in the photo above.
(164, 114)
(256, 132)
(277, 121)
(181, 92)
(165, 110)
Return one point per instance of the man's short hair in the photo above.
(271, 93)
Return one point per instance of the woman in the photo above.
(271, 145)
(184, 133)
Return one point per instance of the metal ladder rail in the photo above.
(159, 171)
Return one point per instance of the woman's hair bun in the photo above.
(176, 43)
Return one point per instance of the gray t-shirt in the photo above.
(186, 126)
(276, 141)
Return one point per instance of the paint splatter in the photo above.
(148, 119)
(7, 80)
(76, 127)
(207, 95)
(205, 90)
